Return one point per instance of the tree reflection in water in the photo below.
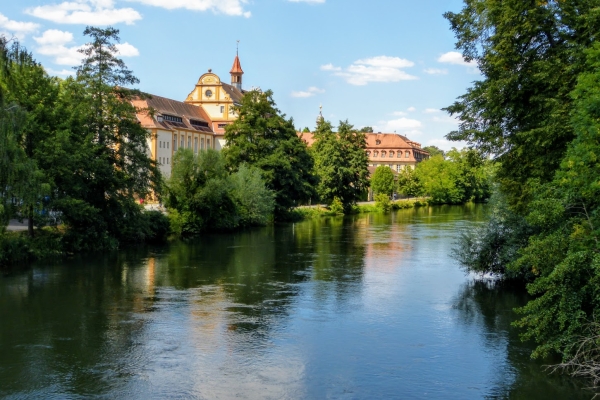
(489, 305)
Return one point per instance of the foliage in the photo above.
(492, 247)
(408, 183)
(262, 138)
(382, 201)
(341, 163)
(564, 255)
(336, 206)
(255, 203)
(529, 54)
(382, 181)
(202, 195)
(463, 176)
(434, 151)
(366, 129)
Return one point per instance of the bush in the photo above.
(382, 201)
(336, 206)
(159, 226)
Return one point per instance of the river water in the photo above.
(362, 307)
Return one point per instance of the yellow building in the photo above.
(217, 99)
(173, 125)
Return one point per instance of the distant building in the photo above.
(198, 123)
(389, 149)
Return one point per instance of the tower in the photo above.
(236, 71)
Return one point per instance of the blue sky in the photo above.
(389, 64)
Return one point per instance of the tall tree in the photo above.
(382, 180)
(262, 137)
(103, 147)
(529, 54)
(341, 162)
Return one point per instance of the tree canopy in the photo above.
(382, 181)
(262, 137)
(341, 163)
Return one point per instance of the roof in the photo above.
(163, 106)
(237, 67)
(386, 140)
(234, 93)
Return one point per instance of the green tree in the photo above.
(382, 181)
(408, 183)
(99, 155)
(433, 150)
(341, 163)
(439, 179)
(366, 129)
(306, 130)
(32, 96)
(261, 137)
(529, 55)
(255, 203)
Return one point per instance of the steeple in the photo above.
(236, 71)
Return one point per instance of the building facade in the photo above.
(388, 149)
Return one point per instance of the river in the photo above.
(362, 307)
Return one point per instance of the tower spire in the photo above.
(236, 71)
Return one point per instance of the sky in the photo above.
(388, 64)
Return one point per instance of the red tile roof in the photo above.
(237, 67)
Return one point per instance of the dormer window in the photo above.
(172, 118)
(375, 153)
(383, 154)
(378, 141)
(391, 154)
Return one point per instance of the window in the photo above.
(159, 144)
(196, 145)
(399, 154)
(175, 143)
(198, 124)
(182, 145)
(375, 153)
(167, 160)
(167, 144)
(202, 144)
(378, 141)
(221, 126)
(208, 143)
(222, 109)
(173, 118)
(408, 154)
(189, 143)
(391, 154)
(383, 153)
(368, 153)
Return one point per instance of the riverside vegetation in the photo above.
(74, 163)
(536, 109)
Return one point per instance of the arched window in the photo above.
(375, 153)
(368, 154)
(391, 154)
(383, 153)
(399, 154)
(407, 154)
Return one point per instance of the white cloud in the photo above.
(400, 113)
(62, 72)
(307, 1)
(85, 12)
(53, 43)
(311, 91)
(375, 69)
(432, 110)
(330, 67)
(411, 109)
(435, 71)
(9, 28)
(227, 7)
(455, 58)
(400, 125)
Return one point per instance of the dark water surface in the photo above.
(364, 307)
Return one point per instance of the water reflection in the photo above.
(355, 307)
(489, 304)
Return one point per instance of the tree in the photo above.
(261, 137)
(408, 183)
(439, 179)
(306, 130)
(366, 129)
(100, 157)
(382, 181)
(31, 95)
(341, 162)
(433, 150)
(529, 54)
